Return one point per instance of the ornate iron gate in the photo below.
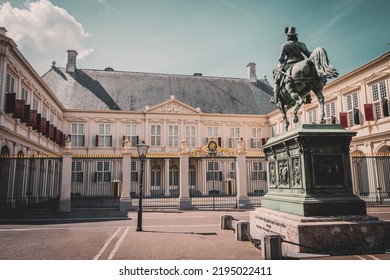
(31, 182)
(96, 182)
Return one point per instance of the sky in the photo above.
(213, 37)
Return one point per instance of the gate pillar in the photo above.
(125, 203)
(242, 186)
(184, 198)
(66, 183)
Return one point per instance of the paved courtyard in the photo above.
(189, 235)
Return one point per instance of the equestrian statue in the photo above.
(296, 76)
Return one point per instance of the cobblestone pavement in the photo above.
(189, 235)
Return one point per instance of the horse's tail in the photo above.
(321, 62)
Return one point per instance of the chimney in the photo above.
(252, 72)
(71, 65)
(3, 31)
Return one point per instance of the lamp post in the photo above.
(142, 152)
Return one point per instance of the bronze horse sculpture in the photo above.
(302, 78)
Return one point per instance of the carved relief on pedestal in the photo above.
(272, 174)
(283, 172)
(296, 172)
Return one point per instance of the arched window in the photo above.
(359, 165)
(383, 166)
(173, 180)
(192, 179)
(155, 188)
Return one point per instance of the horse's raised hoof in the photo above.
(295, 119)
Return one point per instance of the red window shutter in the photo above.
(61, 142)
(38, 120)
(97, 141)
(219, 141)
(32, 120)
(344, 119)
(51, 132)
(264, 141)
(369, 112)
(42, 127)
(110, 140)
(19, 109)
(26, 116)
(47, 132)
(58, 136)
(10, 103)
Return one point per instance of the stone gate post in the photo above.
(241, 171)
(184, 198)
(125, 203)
(66, 182)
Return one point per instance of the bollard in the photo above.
(272, 247)
(242, 230)
(226, 222)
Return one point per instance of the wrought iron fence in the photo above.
(212, 182)
(96, 182)
(161, 183)
(256, 180)
(371, 178)
(30, 182)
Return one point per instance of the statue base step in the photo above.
(321, 235)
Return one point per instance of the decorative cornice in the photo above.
(376, 76)
(104, 120)
(130, 121)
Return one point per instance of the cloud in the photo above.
(44, 32)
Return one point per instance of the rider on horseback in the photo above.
(290, 54)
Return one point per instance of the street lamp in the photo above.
(142, 151)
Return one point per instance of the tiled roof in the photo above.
(116, 90)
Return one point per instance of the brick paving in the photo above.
(176, 235)
(190, 235)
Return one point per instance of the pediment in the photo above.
(76, 119)
(104, 120)
(376, 76)
(350, 88)
(130, 121)
(173, 106)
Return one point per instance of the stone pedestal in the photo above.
(309, 172)
(310, 201)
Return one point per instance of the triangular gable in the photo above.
(351, 88)
(172, 106)
(376, 76)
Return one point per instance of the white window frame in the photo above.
(256, 137)
(103, 172)
(25, 95)
(212, 131)
(44, 112)
(173, 135)
(312, 115)
(10, 84)
(235, 135)
(257, 171)
(191, 135)
(330, 111)
(77, 134)
(155, 135)
(352, 102)
(35, 104)
(379, 92)
(77, 172)
(130, 134)
(105, 137)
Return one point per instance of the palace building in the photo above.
(69, 139)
